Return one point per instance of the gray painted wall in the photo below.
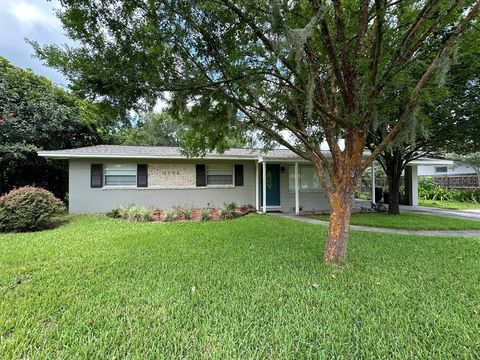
(84, 199)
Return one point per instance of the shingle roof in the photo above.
(123, 151)
(170, 152)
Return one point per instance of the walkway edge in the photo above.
(449, 233)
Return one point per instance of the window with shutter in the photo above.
(238, 175)
(201, 175)
(120, 175)
(220, 174)
(142, 175)
(96, 175)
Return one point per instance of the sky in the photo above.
(35, 20)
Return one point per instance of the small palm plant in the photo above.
(227, 210)
(205, 214)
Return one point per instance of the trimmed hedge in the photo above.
(28, 208)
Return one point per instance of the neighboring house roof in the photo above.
(171, 152)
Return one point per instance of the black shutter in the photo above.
(201, 175)
(238, 175)
(142, 175)
(96, 175)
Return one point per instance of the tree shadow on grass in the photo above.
(54, 223)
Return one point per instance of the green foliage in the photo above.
(37, 115)
(186, 213)
(27, 209)
(133, 213)
(227, 210)
(362, 195)
(428, 189)
(114, 213)
(158, 129)
(236, 67)
(447, 117)
(170, 215)
(205, 214)
(450, 205)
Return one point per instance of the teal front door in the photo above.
(273, 184)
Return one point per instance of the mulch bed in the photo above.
(214, 215)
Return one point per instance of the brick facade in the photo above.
(171, 176)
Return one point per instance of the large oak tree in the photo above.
(298, 72)
(447, 120)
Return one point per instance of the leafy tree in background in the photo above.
(35, 115)
(166, 129)
(448, 119)
(154, 129)
(297, 72)
(470, 159)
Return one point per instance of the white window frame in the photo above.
(119, 186)
(291, 170)
(219, 185)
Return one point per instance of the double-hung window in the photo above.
(219, 174)
(120, 174)
(308, 180)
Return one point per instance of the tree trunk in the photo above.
(393, 165)
(394, 194)
(336, 244)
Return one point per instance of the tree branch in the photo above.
(410, 107)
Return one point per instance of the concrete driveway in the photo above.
(472, 214)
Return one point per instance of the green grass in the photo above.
(452, 205)
(408, 221)
(255, 287)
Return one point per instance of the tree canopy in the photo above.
(296, 72)
(447, 119)
(34, 115)
(155, 129)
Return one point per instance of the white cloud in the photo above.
(30, 15)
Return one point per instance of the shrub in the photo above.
(185, 213)
(170, 215)
(205, 214)
(135, 213)
(28, 208)
(469, 195)
(361, 195)
(227, 210)
(428, 189)
(114, 213)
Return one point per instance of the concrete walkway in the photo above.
(451, 233)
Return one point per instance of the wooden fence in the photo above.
(457, 181)
(468, 181)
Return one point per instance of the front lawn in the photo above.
(254, 287)
(452, 205)
(408, 221)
